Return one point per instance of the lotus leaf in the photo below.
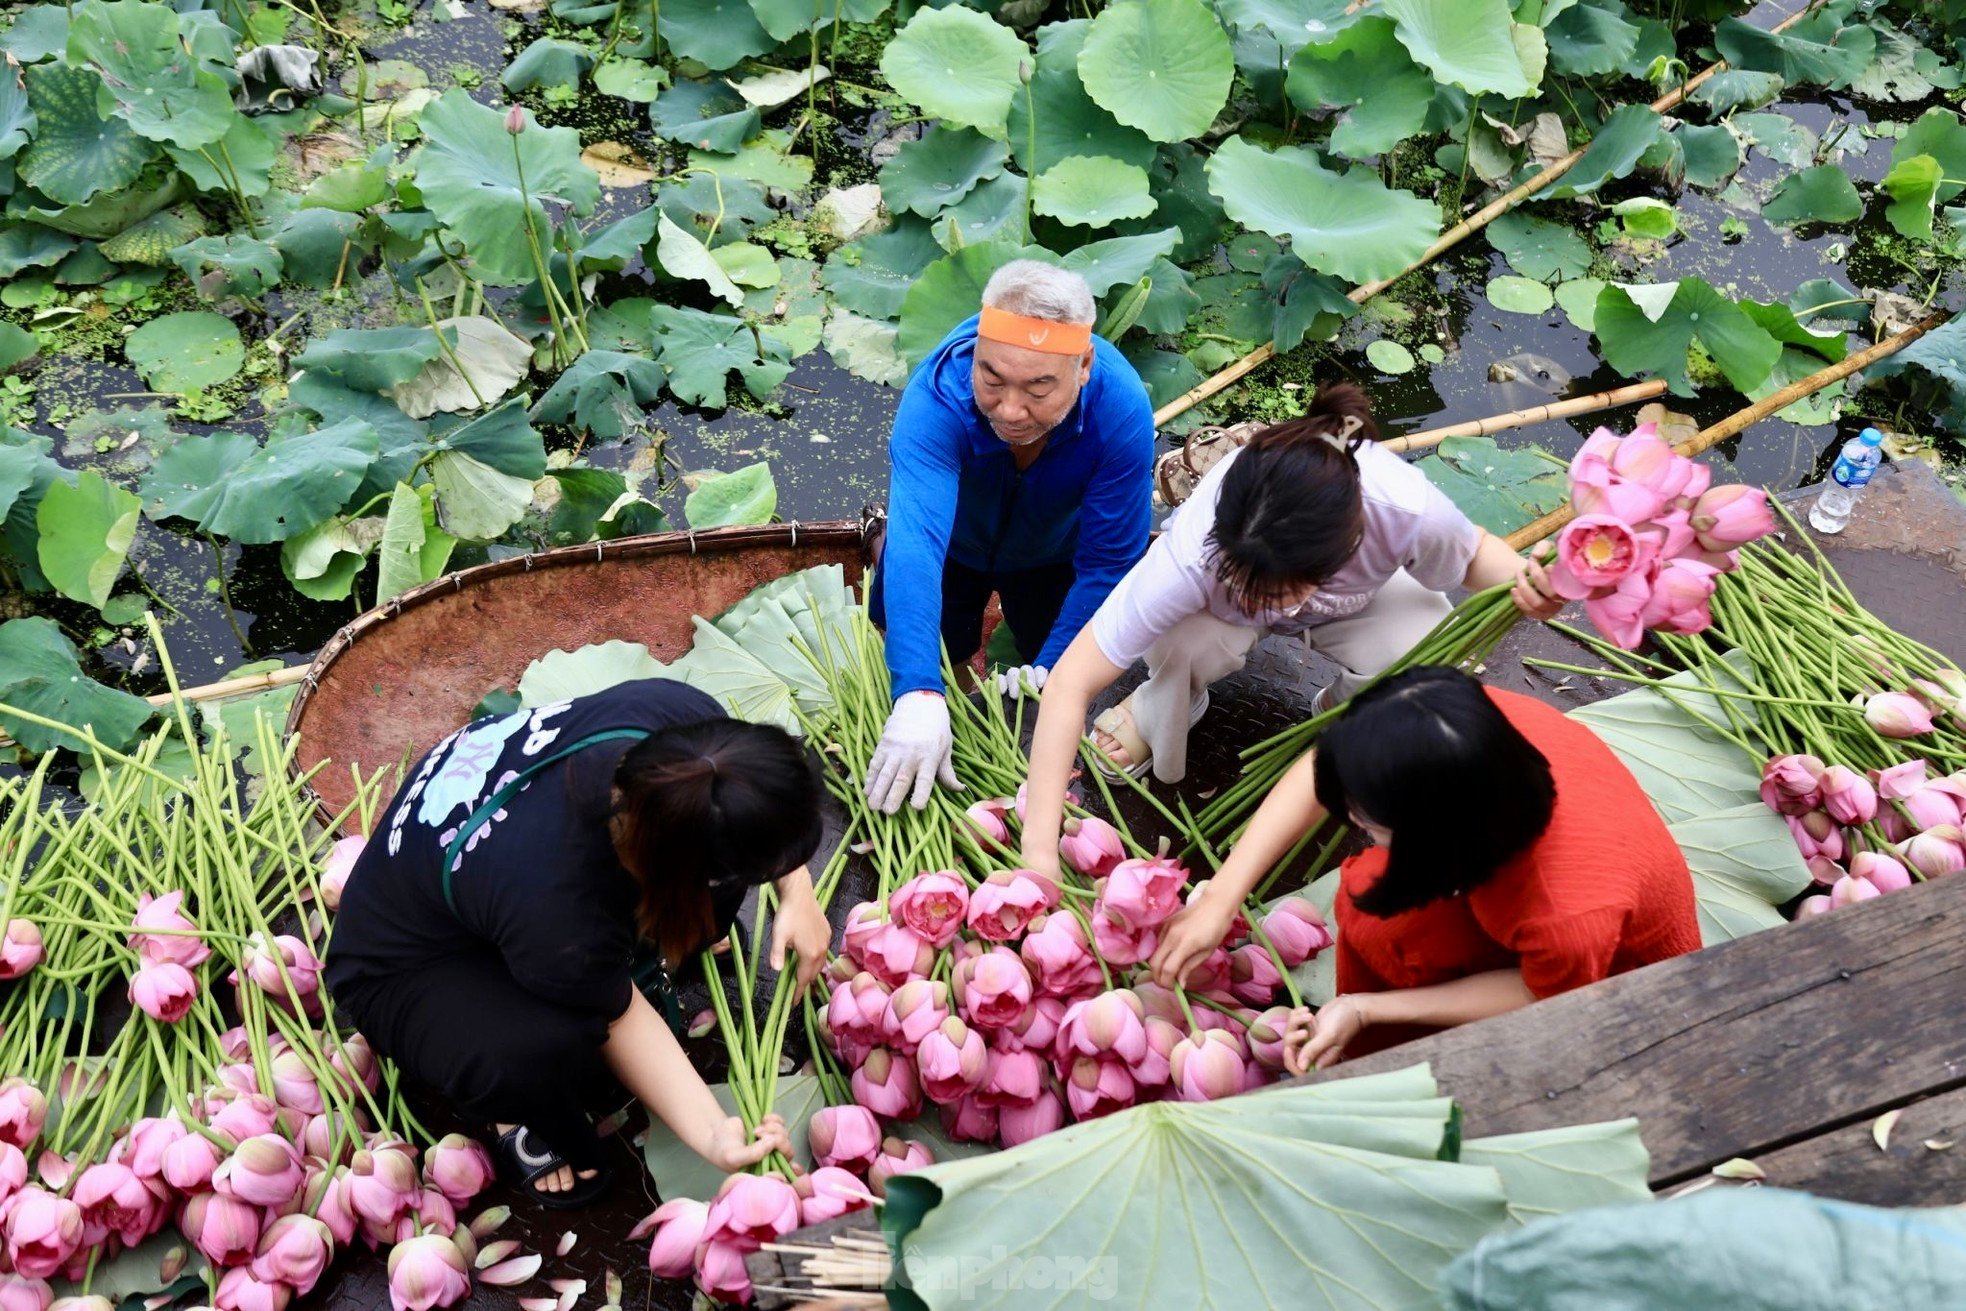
(1517, 295)
(927, 176)
(547, 62)
(1292, 22)
(1092, 191)
(683, 257)
(1166, 374)
(683, 1172)
(27, 471)
(186, 352)
(230, 485)
(148, 79)
(992, 212)
(476, 502)
(699, 351)
(704, 115)
(1736, 89)
(27, 245)
(1307, 304)
(1468, 43)
(1162, 66)
(1390, 357)
(602, 393)
(1912, 184)
(370, 359)
(77, 152)
(1941, 353)
(484, 362)
(747, 265)
(16, 117)
(1591, 38)
(232, 265)
(1711, 154)
(561, 675)
(1828, 298)
(1823, 194)
(501, 439)
(1365, 71)
(1777, 136)
(86, 530)
(584, 498)
(748, 496)
(716, 208)
(871, 276)
(1499, 490)
(1067, 120)
(38, 32)
(246, 152)
(630, 79)
(314, 245)
(1553, 1171)
(1646, 217)
(1635, 340)
(41, 674)
(469, 175)
(778, 86)
(951, 290)
(323, 562)
(1578, 297)
(719, 34)
(413, 549)
(1938, 133)
(1904, 70)
(152, 240)
(1350, 225)
(959, 66)
(1539, 249)
(1818, 50)
(16, 344)
(1613, 152)
(866, 348)
(1116, 260)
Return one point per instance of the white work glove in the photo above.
(1011, 682)
(916, 749)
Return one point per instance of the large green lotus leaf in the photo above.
(1938, 133)
(314, 245)
(476, 502)
(370, 359)
(1736, 89)
(1818, 50)
(232, 486)
(1468, 43)
(929, 175)
(1304, 304)
(866, 348)
(1553, 1171)
(149, 80)
(468, 174)
(403, 441)
(1106, 264)
(502, 439)
(77, 152)
(29, 245)
(1162, 66)
(187, 351)
(1591, 38)
(248, 152)
(1745, 865)
(1350, 225)
(485, 361)
(1685, 768)
(1092, 191)
(716, 208)
(109, 214)
(232, 265)
(1067, 120)
(548, 62)
(1613, 152)
(1285, 1197)
(949, 291)
(784, 19)
(1912, 184)
(719, 34)
(413, 549)
(1711, 154)
(585, 497)
(705, 116)
(1500, 490)
(16, 117)
(561, 675)
(1942, 354)
(1181, 188)
(699, 352)
(38, 32)
(1537, 248)
(992, 212)
(1365, 71)
(18, 465)
(766, 159)
(26, 456)
(16, 344)
(871, 276)
(602, 393)
(959, 66)
(685, 258)
(1635, 340)
(679, 1172)
(746, 685)
(1780, 322)
(41, 674)
(323, 562)
(746, 496)
(1905, 70)
(816, 600)
(86, 530)
(152, 240)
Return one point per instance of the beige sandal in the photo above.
(1117, 724)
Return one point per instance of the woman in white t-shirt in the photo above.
(1311, 528)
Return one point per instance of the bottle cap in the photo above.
(1871, 437)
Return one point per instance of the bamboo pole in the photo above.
(1753, 414)
(1630, 394)
(224, 690)
(1453, 237)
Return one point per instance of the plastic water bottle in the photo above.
(1848, 477)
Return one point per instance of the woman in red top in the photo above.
(1514, 857)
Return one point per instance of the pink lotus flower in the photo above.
(1020, 1124)
(165, 933)
(294, 1085)
(753, 1208)
(19, 1293)
(427, 1271)
(952, 1062)
(1111, 1025)
(1680, 597)
(1930, 807)
(987, 819)
(1091, 846)
(897, 1156)
(23, 1110)
(242, 1290)
(190, 1161)
(993, 990)
(968, 1120)
(1849, 890)
(1620, 613)
(1211, 974)
(340, 864)
(381, 1183)
(1593, 552)
(1296, 928)
(327, 1200)
(1823, 870)
(458, 1167)
(1118, 944)
(294, 1250)
(286, 970)
(1141, 894)
(858, 1013)
(1792, 784)
(1152, 1070)
(913, 1012)
(1266, 1038)
(13, 1173)
(828, 1192)
(42, 1232)
(1003, 906)
(1848, 796)
(1036, 1030)
(149, 1139)
(164, 990)
(224, 1229)
(113, 1198)
(1880, 871)
(1816, 834)
(20, 948)
(845, 1136)
(885, 1084)
(1060, 959)
(1095, 1087)
(1253, 975)
(1899, 781)
(1894, 714)
(721, 1272)
(1730, 516)
(862, 923)
(1207, 1067)
(932, 905)
(1645, 457)
(679, 1229)
(1015, 1078)
(1937, 851)
(355, 1062)
(1809, 907)
(894, 954)
(265, 1171)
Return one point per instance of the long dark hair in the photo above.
(704, 807)
(1290, 515)
(1428, 755)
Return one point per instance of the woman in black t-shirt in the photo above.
(485, 935)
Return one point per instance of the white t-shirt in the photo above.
(1409, 524)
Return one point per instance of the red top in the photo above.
(1604, 890)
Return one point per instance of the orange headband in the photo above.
(1033, 334)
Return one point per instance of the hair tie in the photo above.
(708, 760)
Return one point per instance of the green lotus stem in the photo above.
(549, 293)
(444, 345)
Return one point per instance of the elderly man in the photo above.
(1021, 465)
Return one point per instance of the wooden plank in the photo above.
(1738, 1050)
(1846, 1163)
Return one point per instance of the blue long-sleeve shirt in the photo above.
(955, 492)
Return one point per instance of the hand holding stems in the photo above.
(1494, 563)
(1320, 1040)
(646, 1057)
(1081, 674)
(731, 1147)
(799, 925)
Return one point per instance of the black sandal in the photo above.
(525, 1159)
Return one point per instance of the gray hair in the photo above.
(1040, 291)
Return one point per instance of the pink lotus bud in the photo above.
(1096, 1087)
(1152, 1070)
(897, 1156)
(265, 1171)
(886, 1085)
(242, 1290)
(1020, 1124)
(1645, 457)
(952, 1062)
(190, 1161)
(165, 933)
(224, 1229)
(1937, 851)
(1848, 891)
(894, 954)
(1116, 943)
(1015, 1078)
(294, 1250)
(458, 1167)
(23, 1110)
(1824, 870)
(427, 1271)
(515, 120)
(20, 948)
(1091, 846)
(294, 1085)
(1211, 974)
(1253, 975)
(753, 1207)
(1791, 785)
(1598, 493)
(827, 1193)
(1109, 1025)
(1848, 796)
(913, 1012)
(42, 1232)
(721, 1272)
(1296, 928)
(19, 1293)
(113, 1198)
(429, 1213)
(1816, 834)
(1811, 906)
(355, 1062)
(1059, 957)
(1207, 1067)
(330, 1138)
(1266, 1037)
(88, 1302)
(932, 905)
(1680, 597)
(271, 968)
(987, 819)
(1929, 807)
(1895, 714)
(327, 1200)
(381, 1183)
(845, 1136)
(13, 1174)
(679, 1228)
(993, 990)
(858, 1015)
(862, 923)
(149, 1139)
(1003, 906)
(1141, 894)
(340, 864)
(1594, 552)
(1731, 515)
(1036, 1030)
(1881, 872)
(968, 1120)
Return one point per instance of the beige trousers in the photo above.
(1202, 649)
